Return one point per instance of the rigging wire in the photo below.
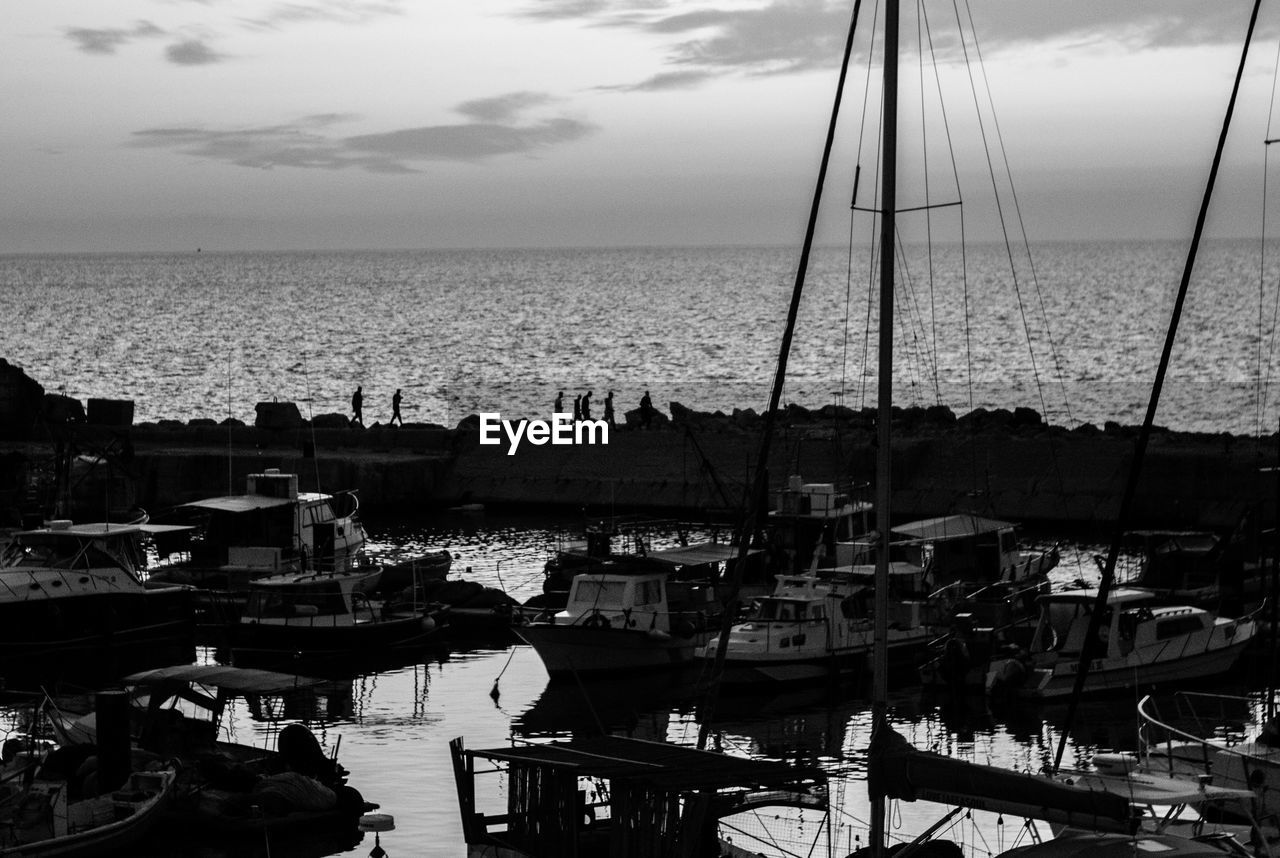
(1022, 229)
(991, 171)
(928, 212)
(955, 172)
(1264, 382)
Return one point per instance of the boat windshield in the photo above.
(784, 609)
(597, 591)
(296, 602)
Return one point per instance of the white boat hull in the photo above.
(567, 650)
(1111, 675)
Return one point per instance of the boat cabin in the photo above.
(809, 520)
(274, 528)
(311, 599)
(965, 548)
(628, 600)
(1132, 621)
(63, 558)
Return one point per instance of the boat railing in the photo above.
(1151, 722)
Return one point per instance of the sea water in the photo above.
(1072, 330)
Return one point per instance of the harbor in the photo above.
(471, 447)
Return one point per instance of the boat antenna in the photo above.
(758, 498)
(1144, 437)
(230, 487)
(884, 412)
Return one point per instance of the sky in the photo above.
(150, 125)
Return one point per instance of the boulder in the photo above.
(277, 415)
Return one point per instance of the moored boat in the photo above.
(50, 818)
(272, 528)
(815, 627)
(1139, 642)
(315, 615)
(227, 789)
(71, 591)
(623, 620)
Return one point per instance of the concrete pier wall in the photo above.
(1050, 475)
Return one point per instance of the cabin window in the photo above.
(1177, 626)
(648, 592)
(597, 592)
(1007, 542)
(319, 513)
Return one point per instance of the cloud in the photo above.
(192, 52)
(471, 142)
(502, 107)
(325, 11)
(312, 142)
(790, 36)
(106, 40)
(664, 81)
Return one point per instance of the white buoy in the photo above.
(376, 822)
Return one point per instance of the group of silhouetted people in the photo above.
(582, 408)
(357, 408)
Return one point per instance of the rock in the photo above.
(111, 412)
(20, 401)
(62, 409)
(1026, 417)
(277, 415)
(330, 421)
(797, 413)
(940, 415)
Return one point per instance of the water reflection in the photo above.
(389, 719)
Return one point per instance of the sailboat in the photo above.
(894, 768)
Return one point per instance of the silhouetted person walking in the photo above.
(395, 409)
(586, 406)
(558, 407)
(608, 409)
(357, 406)
(577, 408)
(646, 410)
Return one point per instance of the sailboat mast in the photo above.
(884, 409)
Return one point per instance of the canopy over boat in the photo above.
(1120, 596)
(699, 555)
(951, 527)
(238, 680)
(239, 503)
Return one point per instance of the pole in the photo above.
(884, 410)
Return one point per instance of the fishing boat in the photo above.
(327, 614)
(227, 789)
(815, 627)
(624, 620)
(1137, 642)
(50, 817)
(816, 526)
(72, 592)
(271, 529)
(1200, 567)
(1218, 755)
(612, 795)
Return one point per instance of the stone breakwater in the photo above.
(1005, 464)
